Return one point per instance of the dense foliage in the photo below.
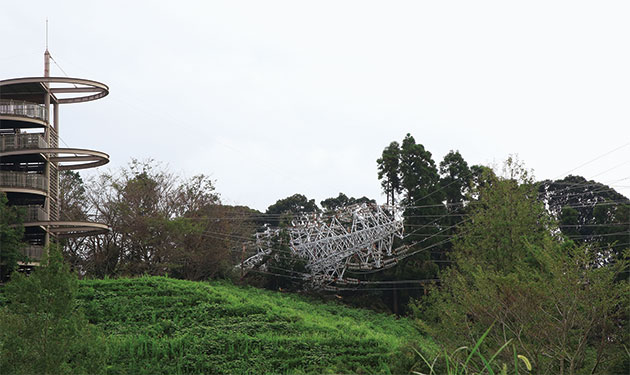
(161, 224)
(42, 331)
(589, 212)
(561, 308)
(157, 325)
(11, 232)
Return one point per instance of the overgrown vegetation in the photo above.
(42, 330)
(157, 325)
(461, 361)
(561, 308)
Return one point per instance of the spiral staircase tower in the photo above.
(31, 159)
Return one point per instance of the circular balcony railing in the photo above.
(22, 180)
(23, 109)
(67, 158)
(65, 89)
(11, 142)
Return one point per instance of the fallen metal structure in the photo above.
(357, 238)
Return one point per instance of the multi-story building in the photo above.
(31, 159)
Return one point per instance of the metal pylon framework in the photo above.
(357, 238)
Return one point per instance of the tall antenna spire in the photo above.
(46, 54)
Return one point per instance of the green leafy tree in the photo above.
(286, 208)
(513, 273)
(342, 200)
(423, 209)
(416, 177)
(505, 219)
(42, 331)
(481, 177)
(285, 270)
(389, 171)
(590, 212)
(73, 206)
(11, 234)
(160, 224)
(456, 181)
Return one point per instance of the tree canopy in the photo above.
(342, 200)
(512, 273)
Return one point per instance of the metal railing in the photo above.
(23, 108)
(23, 180)
(35, 213)
(9, 142)
(33, 252)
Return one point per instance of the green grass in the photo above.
(156, 325)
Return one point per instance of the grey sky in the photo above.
(274, 98)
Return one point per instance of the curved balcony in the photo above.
(34, 214)
(63, 89)
(23, 182)
(67, 158)
(14, 145)
(11, 142)
(23, 108)
(70, 229)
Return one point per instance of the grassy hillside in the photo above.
(160, 325)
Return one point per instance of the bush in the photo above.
(41, 329)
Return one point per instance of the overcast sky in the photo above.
(272, 98)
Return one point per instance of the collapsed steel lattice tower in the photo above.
(31, 159)
(357, 238)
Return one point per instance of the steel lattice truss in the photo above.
(357, 238)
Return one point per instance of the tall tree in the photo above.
(73, 206)
(417, 178)
(456, 181)
(422, 194)
(389, 171)
(497, 237)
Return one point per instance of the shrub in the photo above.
(41, 329)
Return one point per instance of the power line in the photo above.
(593, 160)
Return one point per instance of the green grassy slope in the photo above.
(159, 325)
